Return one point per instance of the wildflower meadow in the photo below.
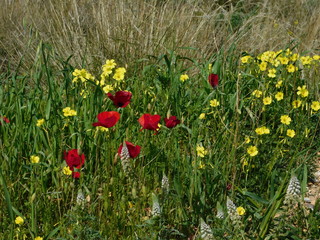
(170, 146)
(220, 149)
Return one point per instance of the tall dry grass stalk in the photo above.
(128, 30)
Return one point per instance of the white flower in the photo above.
(125, 158)
(165, 184)
(156, 210)
(205, 230)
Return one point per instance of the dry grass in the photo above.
(95, 30)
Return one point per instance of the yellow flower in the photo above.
(84, 93)
(272, 73)
(40, 122)
(241, 211)
(294, 57)
(214, 103)
(102, 129)
(201, 165)
(275, 63)
(66, 171)
(296, 103)
(291, 68)
(19, 220)
(257, 93)
(110, 64)
(315, 105)
(279, 84)
(262, 130)
(285, 119)
(306, 60)
(38, 238)
(267, 100)
(184, 77)
(288, 52)
(201, 152)
(247, 139)
(279, 96)
(82, 75)
(202, 116)
(119, 74)
(107, 69)
(263, 66)
(107, 88)
(34, 159)
(68, 112)
(316, 57)
(291, 133)
(303, 91)
(252, 151)
(283, 60)
(245, 59)
(259, 131)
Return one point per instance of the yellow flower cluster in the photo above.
(270, 60)
(201, 152)
(262, 130)
(68, 112)
(119, 74)
(107, 70)
(81, 75)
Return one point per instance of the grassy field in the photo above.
(158, 119)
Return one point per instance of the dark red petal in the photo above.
(97, 124)
(76, 175)
(134, 151)
(110, 96)
(213, 80)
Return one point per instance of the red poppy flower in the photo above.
(150, 122)
(107, 119)
(134, 151)
(74, 160)
(4, 119)
(171, 121)
(121, 98)
(76, 174)
(213, 79)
